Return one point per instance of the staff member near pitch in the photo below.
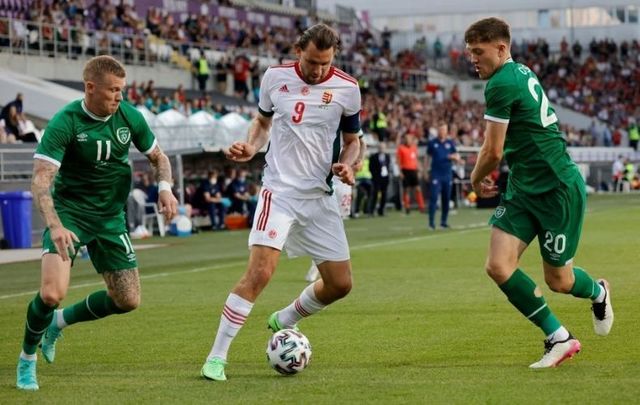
(407, 156)
(441, 153)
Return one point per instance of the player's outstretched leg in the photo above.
(26, 373)
(603, 311)
(555, 352)
(305, 305)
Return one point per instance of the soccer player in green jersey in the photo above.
(84, 154)
(545, 195)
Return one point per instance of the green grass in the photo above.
(423, 323)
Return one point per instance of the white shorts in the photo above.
(302, 227)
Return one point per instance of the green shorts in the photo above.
(555, 217)
(107, 240)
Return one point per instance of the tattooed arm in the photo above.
(167, 203)
(43, 175)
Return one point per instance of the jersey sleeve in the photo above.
(353, 104)
(430, 148)
(57, 135)
(142, 136)
(265, 105)
(500, 100)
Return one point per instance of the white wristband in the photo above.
(164, 186)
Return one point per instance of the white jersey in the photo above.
(304, 139)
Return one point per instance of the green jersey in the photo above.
(92, 153)
(534, 148)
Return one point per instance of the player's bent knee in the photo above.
(52, 298)
(341, 288)
(559, 286)
(127, 303)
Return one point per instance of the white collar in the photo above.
(92, 115)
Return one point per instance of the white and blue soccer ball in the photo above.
(288, 351)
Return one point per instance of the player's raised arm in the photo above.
(43, 174)
(167, 203)
(258, 137)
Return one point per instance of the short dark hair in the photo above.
(98, 66)
(322, 36)
(488, 30)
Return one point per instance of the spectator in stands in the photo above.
(239, 192)
(9, 117)
(241, 67)
(17, 103)
(201, 70)
(255, 80)
(634, 134)
(4, 137)
(214, 200)
(222, 69)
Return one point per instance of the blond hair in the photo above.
(98, 66)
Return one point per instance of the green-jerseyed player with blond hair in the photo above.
(545, 194)
(84, 155)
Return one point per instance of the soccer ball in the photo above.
(288, 351)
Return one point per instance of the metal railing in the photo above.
(16, 164)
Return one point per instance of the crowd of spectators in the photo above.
(600, 80)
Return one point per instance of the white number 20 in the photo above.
(555, 244)
(546, 118)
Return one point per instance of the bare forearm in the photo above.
(43, 174)
(258, 134)
(485, 164)
(161, 165)
(350, 152)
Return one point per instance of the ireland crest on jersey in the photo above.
(123, 134)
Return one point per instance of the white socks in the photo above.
(559, 335)
(28, 357)
(305, 305)
(234, 314)
(59, 318)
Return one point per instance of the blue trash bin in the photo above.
(16, 218)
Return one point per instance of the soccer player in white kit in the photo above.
(303, 108)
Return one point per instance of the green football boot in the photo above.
(26, 375)
(49, 339)
(214, 370)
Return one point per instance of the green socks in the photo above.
(584, 286)
(520, 290)
(39, 317)
(95, 306)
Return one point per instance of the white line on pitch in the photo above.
(463, 229)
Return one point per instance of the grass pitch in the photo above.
(423, 323)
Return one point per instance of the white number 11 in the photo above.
(107, 151)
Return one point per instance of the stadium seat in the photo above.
(154, 220)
